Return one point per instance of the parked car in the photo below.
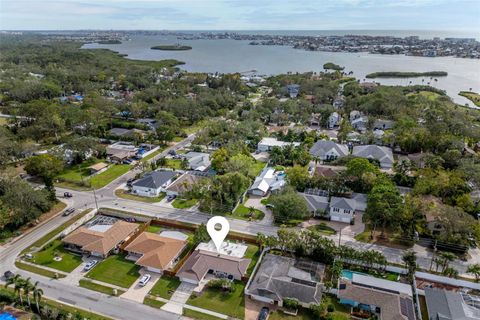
(89, 266)
(269, 205)
(127, 161)
(145, 280)
(129, 182)
(172, 152)
(130, 220)
(263, 315)
(171, 197)
(68, 212)
(28, 256)
(8, 274)
(67, 195)
(137, 157)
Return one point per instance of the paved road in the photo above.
(119, 308)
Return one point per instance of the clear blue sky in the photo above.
(461, 15)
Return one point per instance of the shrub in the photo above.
(223, 284)
(291, 304)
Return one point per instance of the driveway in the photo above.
(179, 298)
(137, 292)
(77, 274)
(252, 308)
(255, 202)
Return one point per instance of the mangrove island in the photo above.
(174, 47)
(398, 74)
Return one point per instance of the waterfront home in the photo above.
(388, 300)
(268, 180)
(327, 150)
(154, 252)
(267, 144)
(100, 236)
(450, 305)
(382, 154)
(153, 183)
(334, 120)
(205, 263)
(198, 161)
(279, 278)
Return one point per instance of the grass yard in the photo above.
(391, 239)
(78, 172)
(40, 242)
(173, 164)
(198, 315)
(151, 155)
(149, 301)
(165, 287)
(154, 229)
(121, 193)
(184, 203)
(37, 270)
(115, 270)
(323, 229)
(45, 257)
(231, 304)
(98, 287)
(243, 213)
(302, 315)
(102, 179)
(258, 167)
(253, 252)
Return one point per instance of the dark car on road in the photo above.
(8, 274)
(67, 195)
(263, 315)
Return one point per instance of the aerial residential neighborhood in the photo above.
(155, 164)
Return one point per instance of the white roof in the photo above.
(273, 142)
(382, 284)
(174, 235)
(227, 248)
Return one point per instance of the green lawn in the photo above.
(40, 242)
(173, 164)
(149, 301)
(183, 203)
(102, 179)
(154, 229)
(37, 270)
(323, 228)
(198, 315)
(302, 315)
(253, 252)
(165, 287)
(121, 193)
(151, 155)
(78, 172)
(231, 304)
(243, 213)
(98, 287)
(115, 270)
(258, 167)
(45, 257)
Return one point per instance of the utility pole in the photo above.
(433, 256)
(95, 197)
(339, 237)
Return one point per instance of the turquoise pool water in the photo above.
(7, 316)
(347, 274)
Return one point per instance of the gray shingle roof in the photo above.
(448, 305)
(322, 147)
(382, 154)
(278, 278)
(343, 203)
(155, 179)
(315, 202)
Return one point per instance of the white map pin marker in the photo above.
(218, 235)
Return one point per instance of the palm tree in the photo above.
(17, 288)
(446, 258)
(475, 270)
(37, 295)
(27, 287)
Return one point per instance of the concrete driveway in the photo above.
(77, 274)
(137, 292)
(255, 202)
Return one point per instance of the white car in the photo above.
(89, 266)
(145, 280)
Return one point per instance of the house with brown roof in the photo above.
(184, 183)
(154, 252)
(388, 300)
(100, 236)
(226, 264)
(98, 167)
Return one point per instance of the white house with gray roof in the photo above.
(317, 204)
(342, 209)
(198, 161)
(328, 150)
(153, 183)
(384, 155)
(279, 278)
(334, 120)
(267, 180)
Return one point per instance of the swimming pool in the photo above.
(347, 274)
(7, 316)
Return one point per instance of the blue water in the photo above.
(347, 274)
(7, 316)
